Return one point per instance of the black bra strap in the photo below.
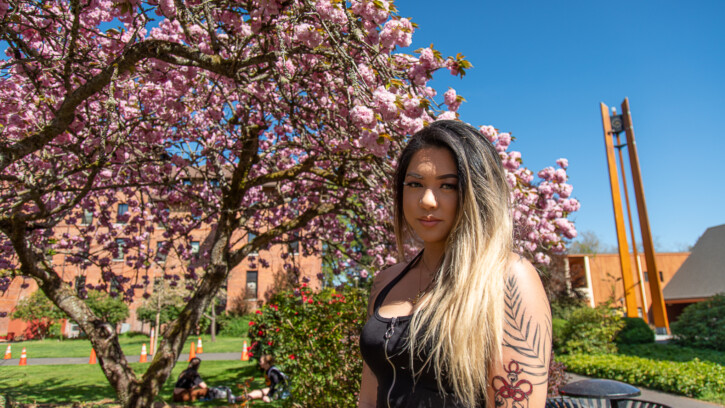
(383, 293)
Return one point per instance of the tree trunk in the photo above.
(213, 321)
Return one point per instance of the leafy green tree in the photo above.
(39, 312)
(111, 309)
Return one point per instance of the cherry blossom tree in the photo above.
(270, 121)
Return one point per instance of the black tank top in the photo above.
(383, 347)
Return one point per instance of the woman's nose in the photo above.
(428, 200)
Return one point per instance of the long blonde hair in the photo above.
(458, 324)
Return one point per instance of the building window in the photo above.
(163, 218)
(294, 245)
(115, 285)
(662, 277)
(120, 245)
(250, 237)
(251, 292)
(195, 249)
(646, 277)
(121, 216)
(87, 218)
(160, 252)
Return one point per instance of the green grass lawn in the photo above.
(65, 384)
(131, 346)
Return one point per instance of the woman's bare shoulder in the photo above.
(381, 279)
(384, 277)
(525, 279)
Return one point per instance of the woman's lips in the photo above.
(429, 222)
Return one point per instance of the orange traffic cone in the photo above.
(23, 358)
(92, 360)
(152, 341)
(8, 353)
(144, 356)
(192, 351)
(245, 352)
(199, 348)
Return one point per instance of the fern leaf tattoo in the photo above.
(523, 335)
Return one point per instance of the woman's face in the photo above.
(430, 194)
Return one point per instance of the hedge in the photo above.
(695, 378)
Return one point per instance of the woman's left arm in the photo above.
(519, 380)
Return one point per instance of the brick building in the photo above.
(250, 282)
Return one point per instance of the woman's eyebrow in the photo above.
(444, 176)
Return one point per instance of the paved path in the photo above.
(131, 359)
(674, 401)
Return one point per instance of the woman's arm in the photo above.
(368, 389)
(520, 378)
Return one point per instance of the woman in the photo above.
(276, 382)
(466, 322)
(190, 386)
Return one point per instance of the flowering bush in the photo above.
(314, 338)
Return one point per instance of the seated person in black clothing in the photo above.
(190, 386)
(276, 381)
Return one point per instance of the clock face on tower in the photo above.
(617, 124)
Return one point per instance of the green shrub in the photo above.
(563, 307)
(671, 352)
(635, 331)
(693, 378)
(591, 331)
(314, 338)
(702, 324)
(558, 328)
(234, 326)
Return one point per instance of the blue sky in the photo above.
(542, 68)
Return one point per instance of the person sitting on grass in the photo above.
(276, 381)
(190, 386)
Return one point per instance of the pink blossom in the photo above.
(452, 100)
(546, 173)
(504, 140)
(570, 205)
(396, 32)
(542, 258)
(563, 163)
(447, 115)
(489, 132)
(565, 190)
(363, 116)
(168, 8)
(560, 175)
(308, 35)
(331, 12)
(3, 8)
(385, 103)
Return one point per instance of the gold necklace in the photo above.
(421, 292)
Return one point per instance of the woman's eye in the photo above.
(449, 186)
(412, 184)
